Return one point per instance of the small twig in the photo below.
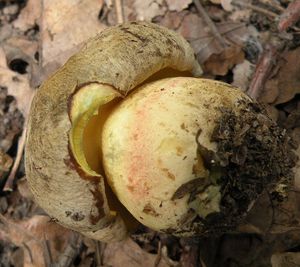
(158, 257)
(21, 145)
(262, 71)
(290, 16)
(29, 251)
(164, 255)
(99, 253)
(208, 36)
(255, 8)
(11, 178)
(119, 11)
(47, 253)
(210, 23)
(273, 4)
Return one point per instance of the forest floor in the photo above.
(252, 44)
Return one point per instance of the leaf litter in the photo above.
(37, 37)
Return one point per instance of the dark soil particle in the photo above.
(255, 155)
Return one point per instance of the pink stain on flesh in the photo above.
(174, 83)
(139, 154)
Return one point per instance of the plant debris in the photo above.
(255, 156)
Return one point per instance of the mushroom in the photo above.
(150, 151)
(114, 135)
(62, 158)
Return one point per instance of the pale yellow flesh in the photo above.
(85, 104)
(149, 147)
(93, 156)
(92, 132)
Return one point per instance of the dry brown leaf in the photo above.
(32, 235)
(277, 218)
(24, 190)
(29, 15)
(270, 91)
(172, 20)
(286, 84)
(5, 162)
(178, 5)
(128, 253)
(287, 259)
(17, 258)
(208, 48)
(238, 14)
(288, 77)
(194, 29)
(129, 11)
(17, 85)
(65, 26)
(148, 9)
(234, 33)
(219, 64)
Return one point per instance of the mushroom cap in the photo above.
(150, 151)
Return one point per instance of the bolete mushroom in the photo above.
(150, 150)
(122, 132)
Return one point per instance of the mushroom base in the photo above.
(253, 156)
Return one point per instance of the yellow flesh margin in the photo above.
(85, 104)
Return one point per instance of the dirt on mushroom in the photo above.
(253, 155)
